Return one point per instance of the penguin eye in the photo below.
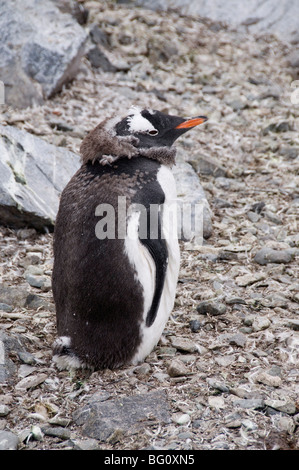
(153, 132)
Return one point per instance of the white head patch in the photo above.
(138, 123)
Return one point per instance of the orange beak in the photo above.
(192, 122)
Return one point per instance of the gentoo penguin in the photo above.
(116, 254)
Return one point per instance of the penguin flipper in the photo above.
(156, 245)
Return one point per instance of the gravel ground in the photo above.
(228, 359)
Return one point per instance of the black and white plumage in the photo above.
(114, 295)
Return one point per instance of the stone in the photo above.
(212, 308)
(98, 59)
(194, 213)
(9, 344)
(250, 403)
(41, 50)
(216, 402)
(249, 279)
(206, 165)
(33, 174)
(183, 344)
(13, 296)
(268, 379)
(4, 410)
(177, 368)
(284, 406)
(268, 255)
(57, 431)
(195, 326)
(8, 441)
(101, 419)
(238, 339)
(31, 381)
(260, 323)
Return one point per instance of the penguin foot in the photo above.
(63, 357)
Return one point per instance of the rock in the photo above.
(62, 433)
(268, 379)
(194, 326)
(249, 279)
(100, 420)
(211, 308)
(32, 175)
(142, 369)
(13, 296)
(216, 402)
(9, 344)
(194, 215)
(41, 50)
(183, 344)
(284, 406)
(219, 386)
(8, 441)
(4, 410)
(98, 59)
(177, 368)
(36, 433)
(74, 8)
(251, 403)
(238, 339)
(31, 381)
(206, 165)
(260, 323)
(268, 255)
(98, 36)
(5, 308)
(293, 324)
(183, 419)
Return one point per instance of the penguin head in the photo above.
(154, 128)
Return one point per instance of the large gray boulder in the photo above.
(280, 17)
(40, 50)
(32, 175)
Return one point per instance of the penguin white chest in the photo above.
(144, 265)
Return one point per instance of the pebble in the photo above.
(143, 369)
(268, 379)
(183, 419)
(249, 279)
(183, 344)
(249, 425)
(238, 340)
(284, 406)
(261, 323)
(216, 402)
(5, 307)
(31, 382)
(61, 433)
(8, 441)
(250, 403)
(4, 410)
(195, 326)
(212, 308)
(268, 255)
(177, 369)
(221, 387)
(36, 433)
